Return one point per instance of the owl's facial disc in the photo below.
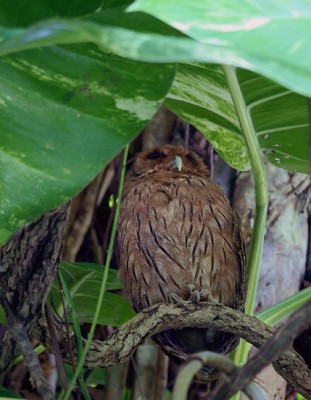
(169, 158)
(177, 163)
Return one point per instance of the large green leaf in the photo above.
(134, 36)
(64, 114)
(83, 281)
(280, 119)
(200, 95)
(278, 312)
(239, 34)
(272, 38)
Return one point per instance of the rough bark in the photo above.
(286, 239)
(285, 246)
(28, 263)
(124, 341)
(80, 219)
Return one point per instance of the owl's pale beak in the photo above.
(177, 163)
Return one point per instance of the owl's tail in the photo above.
(181, 344)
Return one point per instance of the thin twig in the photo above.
(19, 334)
(77, 331)
(66, 323)
(56, 349)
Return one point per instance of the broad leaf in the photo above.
(278, 312)
(83, 281)
(134, 36)
(64, 114)
(77, 273)
(238, 34)
(280, 119)
(271, 38)
(201, 96)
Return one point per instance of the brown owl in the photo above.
(179, 238)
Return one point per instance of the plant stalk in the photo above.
(261, 195)
(103, 284)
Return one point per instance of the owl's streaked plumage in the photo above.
(178, 235)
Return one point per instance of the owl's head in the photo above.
(169, 158)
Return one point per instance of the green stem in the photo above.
(103, 284)
(218, 361)
(261, 196)
(184, 379)
(260, 183)
(73, 314)
(77, 330)
(276, 313)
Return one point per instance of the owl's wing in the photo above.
(176, 232)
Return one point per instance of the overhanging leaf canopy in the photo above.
(65, 111)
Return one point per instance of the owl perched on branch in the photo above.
(179, 238)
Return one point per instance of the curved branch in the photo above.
(124, 341)
(269, 352)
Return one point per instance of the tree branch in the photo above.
(19, 334)
(124, 341)
(271, 350)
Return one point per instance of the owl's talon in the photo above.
(196, 295)
(178, 300)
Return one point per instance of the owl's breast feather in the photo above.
(178, 231)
